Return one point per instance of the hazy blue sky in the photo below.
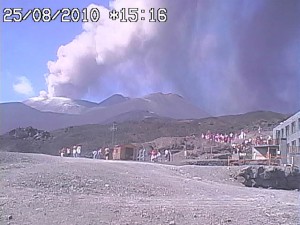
(224, 56)
(26, 47)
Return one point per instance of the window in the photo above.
(287, 130)
(282, 133)
(277, 134)
(299, 124)
(294, 148)
(293, 127)
(273, 152)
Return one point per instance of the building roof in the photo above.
(265, 146)
(126, 145)
(288, 120)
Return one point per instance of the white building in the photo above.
(289, 129)
(287, 135)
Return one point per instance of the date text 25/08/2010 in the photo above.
(83, 15)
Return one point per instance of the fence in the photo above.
(293, 149)
(272, 161)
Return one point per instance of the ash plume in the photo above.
(226, 57)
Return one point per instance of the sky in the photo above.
(226, 57)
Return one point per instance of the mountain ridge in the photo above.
(60, 112)
(114, 99)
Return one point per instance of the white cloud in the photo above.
(23, 86)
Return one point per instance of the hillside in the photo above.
(114, 99)
(56, 113)
(60, 105)
(146, 130)
(16, 114)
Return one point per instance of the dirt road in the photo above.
(40, 189)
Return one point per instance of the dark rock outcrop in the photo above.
(287, 178)
(29, 133)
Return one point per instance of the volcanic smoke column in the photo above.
(227, 57)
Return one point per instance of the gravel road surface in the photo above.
(41, 189)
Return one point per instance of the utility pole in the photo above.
(113, 129)
(185, 150)
(269, 156)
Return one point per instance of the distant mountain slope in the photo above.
(156, 105)
(174, 106)
(60, 105)
(163, 105)
(58, 112)
(255, 119)
(112, 100)
(132, 116)
(93, 136)
(17, 114)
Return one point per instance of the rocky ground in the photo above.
(40, 189)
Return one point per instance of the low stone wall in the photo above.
(287, 178)
(207, 162)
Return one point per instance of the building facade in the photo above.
(287, 136)
(124, 152)
(289, 129)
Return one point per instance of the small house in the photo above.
(263, 152)
(125, 152)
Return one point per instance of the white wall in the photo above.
(292, 136)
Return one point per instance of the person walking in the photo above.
(68, 152)
(62, 152)
(185, 153)
(153, 155)
(158, 156)
(74, 151)
(106, 153)
(95, 153)
(166, 155)
(269, 140)
(78, 151)
(100, 153)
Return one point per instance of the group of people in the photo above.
(101, 153)
(67, 152)
(156, 156)
(231, 137)
(259, 140)
(263, 141)
(239, 142)
(219, 137)
(75, 152)
(242, 147)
